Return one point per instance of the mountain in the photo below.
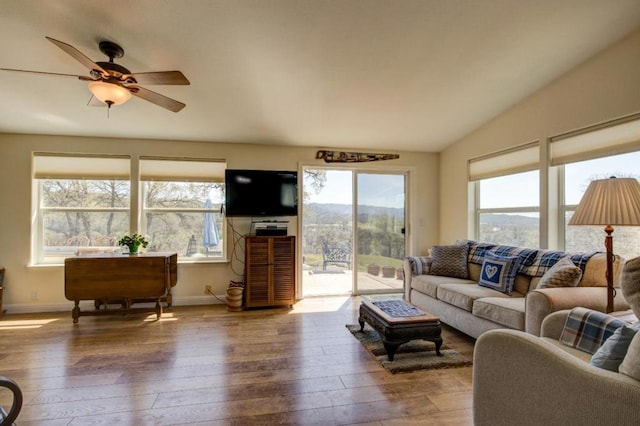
(508, 219)
(335, 213)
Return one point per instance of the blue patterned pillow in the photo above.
(499, 272)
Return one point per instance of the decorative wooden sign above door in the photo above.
(352, 157)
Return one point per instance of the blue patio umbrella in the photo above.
(210, 236)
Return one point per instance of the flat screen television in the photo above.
(261, 193)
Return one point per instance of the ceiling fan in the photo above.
(114, 84)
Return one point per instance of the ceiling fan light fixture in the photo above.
(109, 93)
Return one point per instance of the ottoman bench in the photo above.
(398, 322)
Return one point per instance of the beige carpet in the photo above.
(411, 356)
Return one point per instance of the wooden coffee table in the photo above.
(396, 330)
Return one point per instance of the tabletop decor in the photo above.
(133, 241)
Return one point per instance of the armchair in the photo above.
(522, 379)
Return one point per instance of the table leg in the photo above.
(438, 342)
(75, 312)
(169, 298)
(158, 309)
(391, 349)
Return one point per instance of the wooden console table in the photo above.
(120, 278)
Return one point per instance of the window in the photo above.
(182, 200)
(577, 176)
(82, 205)
(506, 189)
(508, 210)
(596, 152)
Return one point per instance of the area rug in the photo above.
(411, 356)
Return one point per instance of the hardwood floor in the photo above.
(204, 365)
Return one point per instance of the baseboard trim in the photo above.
(32, 308)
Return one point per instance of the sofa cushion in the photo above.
(522, 283)
(614, 349)
(450, 261)
(463, 295)
(563, 274)
(507, 311)
(428, 284)
(630, 283)
(631, 364)
(499, 272)
(595, 271)
(586, 329)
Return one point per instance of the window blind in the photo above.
(182, 169)
(515, 160)
(619, 136)
(80, 166)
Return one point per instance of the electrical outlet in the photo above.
(207, 290)
(34, 295)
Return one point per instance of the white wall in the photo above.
(21, 281)
(605, 87)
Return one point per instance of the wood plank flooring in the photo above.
(203, 365)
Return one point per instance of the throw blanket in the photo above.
(532, 262)
(587, 330)
(419, 264)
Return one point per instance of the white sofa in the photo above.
(472, 309)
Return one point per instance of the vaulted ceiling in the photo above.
(378, 74)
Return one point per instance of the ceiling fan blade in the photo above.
(78, 55)
(160, 77)
(156, 98)
(57, 74)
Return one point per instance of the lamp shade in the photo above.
(613, 201)
(109, 93)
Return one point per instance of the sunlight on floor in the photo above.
(324, 304)
(166, 317)
(24, 324)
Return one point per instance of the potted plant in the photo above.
(134, 242)
(373, 269)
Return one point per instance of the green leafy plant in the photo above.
(133, 241)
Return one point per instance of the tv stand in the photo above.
(270, 271)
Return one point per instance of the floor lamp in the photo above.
(609, 202)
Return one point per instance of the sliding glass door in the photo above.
(380, 224)
(352, 231)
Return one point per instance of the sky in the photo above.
(508, 191)
(383, 190)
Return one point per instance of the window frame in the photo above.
(143, 226)
(516, 160)
(479, 211)
(60, 166)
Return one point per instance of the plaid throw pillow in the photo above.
(499, 272)
(586, 329)
(450, 261)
